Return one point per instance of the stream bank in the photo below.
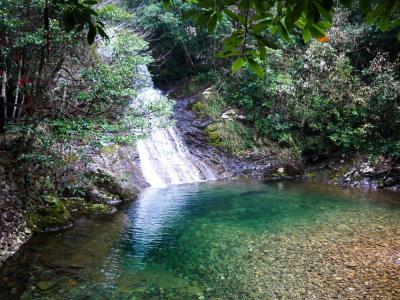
(102, 180)
(32, 202)
(267, 160)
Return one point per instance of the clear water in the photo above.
(238, 240)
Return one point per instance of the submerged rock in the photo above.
(45, 285)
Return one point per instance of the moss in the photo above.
(51, 216)
(312, 174)
(79, 206)
(71, 158)
(99, 209)
(108, 150)
(213, 135)
(230, 135)
(74, 204)
(200, 108)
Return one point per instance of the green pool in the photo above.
(235, 240)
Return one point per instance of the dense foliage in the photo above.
(180, 48)
(338, 91)
(58, 75)
(256, 25)
(65, 99)
(342, 94)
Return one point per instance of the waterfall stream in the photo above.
(164, 158)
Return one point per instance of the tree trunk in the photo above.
(21, 105)
(37, 89)
(188, 56)
(3, 115)
(14, 114)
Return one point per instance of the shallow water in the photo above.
(237, 240)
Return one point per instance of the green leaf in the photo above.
(262, 51)
(265, 41)
(189, 14)
(347, 3)
(238, 64)
(283, 31)
(306, 35)
(166, 4)
(102, 33)
(91, 33)
(231, 14)
(69, 20)
(228, 53)
(90, 2)
(260, 27)
(317, 31)
(236, 17)
(326, 14)
(294, 14)
(384, 23)
(212, 23)
(365, 6)
(255, 67)
(203, 19)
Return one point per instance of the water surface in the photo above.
(238, 240)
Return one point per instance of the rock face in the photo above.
(122, 165)
(357, 171)
(345, 170)
(13, 228)
(111, 177)
(263, 166)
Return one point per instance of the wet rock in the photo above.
(100, 209)
(191, 128)
(106, 181)
(358, 171)
(281, 170)
(292, 170)
(114, 202)
(94, 194)
(45, 285)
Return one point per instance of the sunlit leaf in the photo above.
(238, 64)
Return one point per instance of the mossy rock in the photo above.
(100, 209)
(111, 149)
(75, 205)
(113, 186)
(53, 216)
(213, 135)
(200, 108)
(311, 174)
(79, 206)
(45, 285)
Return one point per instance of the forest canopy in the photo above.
(258, 24)
(327, 71)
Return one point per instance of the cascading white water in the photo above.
(164, 158)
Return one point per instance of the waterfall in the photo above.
(164, 158)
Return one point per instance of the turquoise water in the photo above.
(238, 240)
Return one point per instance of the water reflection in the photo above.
(153, 217)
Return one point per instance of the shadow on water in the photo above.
(179, 241)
